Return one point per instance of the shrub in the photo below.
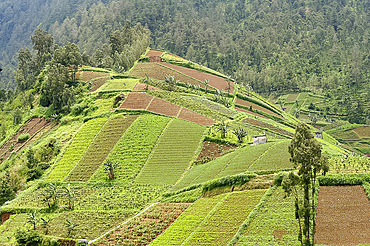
(344, 179)
(23, 137)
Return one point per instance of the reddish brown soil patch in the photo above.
(163, 107)
(31, 127)
(214, 81)
(192, 116)
(363, 131)
(343, 216)
(155, 59)
(89, 75)
(146, 227)
(268, 126)
(154, 53)
(137, 100)
(278, 234)
(5, 217)
(142, 87)
(211, 150)
(97, 83)
(254, 106)
(249, 112)
(156, 71)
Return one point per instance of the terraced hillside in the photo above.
(140, 162)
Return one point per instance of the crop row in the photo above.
(275, 223)
(220, 227)
(254, 106)
(134, 147)
(276, 158)
(268, 126)
(172, 154)
(76, 150)
(146, 227)
(351, 164)
(100, 148)
(215, 106)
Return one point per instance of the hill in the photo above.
(142, 158)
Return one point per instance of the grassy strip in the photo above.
(119, 85)
(76, 150)
(343, 179)
(366, 186)
(100, 148)
(260, 103)
(134, 147)
(172, 154)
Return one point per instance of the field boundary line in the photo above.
(119, 226)
(151, 100)
(212, 212)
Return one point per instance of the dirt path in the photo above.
(343, 216)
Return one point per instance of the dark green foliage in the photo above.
(28, 238)
(343, 179)
(240, 133)
(238, 179)
(7, 192)
(23, 137)
(17, 116)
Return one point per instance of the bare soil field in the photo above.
(343, 216)
(154, 53)
(156, 71)
(363, 131)
(137, 100)
(192, 116)
(89, 75)
(214, 81)
(211, 150)
(97, 83)
(163, 107)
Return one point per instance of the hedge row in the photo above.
(344, 179)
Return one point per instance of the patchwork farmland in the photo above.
(136, 162)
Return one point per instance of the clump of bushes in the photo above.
(23, 137)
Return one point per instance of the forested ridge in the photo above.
(273, 46)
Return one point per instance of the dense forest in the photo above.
(271, 46)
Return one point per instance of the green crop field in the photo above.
(275, 223)
(219, 220)
(119, 84)
(276, 158)
(76, 150)
(104, 105)
(172, 154)
(100, 148)
(134, 147)
(8, 229)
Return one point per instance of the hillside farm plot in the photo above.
(97, 83)
(174, 58)
(249, 112)
(275, 223)
(188, 221)
(163, 107)
(262, 124)
(119, 85)
(363, 131)
(214, 81)
(343, 216)
(154, 53)
(211, 150)
(172, 154)
(76, 150)
(31, 127)
(156, 71)
(104, 105)
(100, 148)
(254, 106)
(192, 116)
(245, 158)
(211, 221)
(90, 75)
(146, 227)
(134, 147)
(9, 228)
(292, 97)
(137, 100)
(203, 172)
(221, 225)
(143, 87)
(276, 158)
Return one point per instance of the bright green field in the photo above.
(211, 221)
(76, 150)
(100, 148)
(275, 217)
(134, 147)
(119, 84)
(171, 156)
